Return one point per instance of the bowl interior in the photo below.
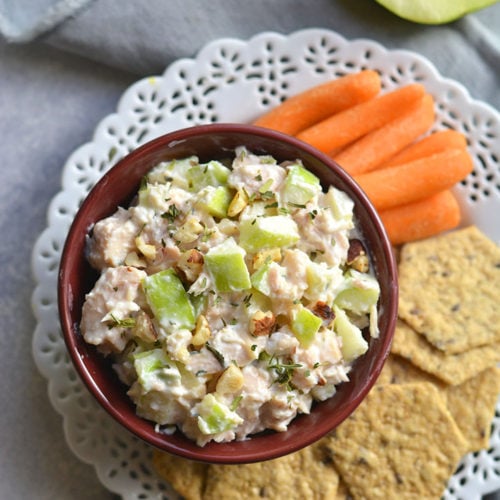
(76, 278)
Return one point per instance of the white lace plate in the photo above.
(234, 81)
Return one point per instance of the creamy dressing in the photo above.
(218, 293)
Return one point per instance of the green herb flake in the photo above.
(218, 356)
(265, 187)
(121, 323)
(272, 205)
(284, 371)
(235, 403)
(171, 214)
(296, 205)
(247, 299)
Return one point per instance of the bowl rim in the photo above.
(212, 452)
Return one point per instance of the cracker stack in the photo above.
(433, 402)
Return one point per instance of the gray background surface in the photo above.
(54, 91)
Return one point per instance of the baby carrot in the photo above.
(421, 219)
(348, 125)
(412, 181)
(317, 103)
(369, 152)
(433, 143)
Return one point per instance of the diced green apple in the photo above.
(214, 416)
(212, 173)
(360, 292)
(268, 232)
(155, 370)
(300, 185)
(169, 301)
(305, 324)
(322, 281)
(173, 171)
(340, 204)
(226, 265)
(353, 343)
(215, 200)
(260, 278)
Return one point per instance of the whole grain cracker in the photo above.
(471, 403)
(307, 473)
(451, 368)
(185, 476)
(450, 287)
(398, 370)
(388, 447)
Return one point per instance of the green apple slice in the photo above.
(168, 300)
(172, 172)
(212, 173)
(268, 232)
(353, 343)
(214, 416)
(305, 325)
(215, 200)
(226, 265)
(155, 370)
(300, 185)
(361, 292)
(433, 11)
(260, 278)
(340, 204)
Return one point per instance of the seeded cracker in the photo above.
(301, 475)
(387, 448)
(451, 368)
(471, 403)
(450, 288)
(307, 473)
(186, 476)
(398, 370)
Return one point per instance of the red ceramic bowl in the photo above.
(76, 278)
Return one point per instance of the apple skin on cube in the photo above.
(226, 264)
(260, 278)
(212, 173)
(215, 416)
(155, 370)
(361, 292)
(353, 343)
(268, 232)
(305, 324)
(215, 200)
(300, 185)
(169, 300)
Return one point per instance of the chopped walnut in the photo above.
(230, 381)
(144, 328)
(238, 203)
(132, 259)
(190, 264)
(263, 255)
(189, 231)
(324, 311)
(149, 251)
(262, 323)
(357, 257)
(202, 332)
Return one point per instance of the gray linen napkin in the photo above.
(23, 20)
(144, 37)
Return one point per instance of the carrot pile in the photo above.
(384, 141)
